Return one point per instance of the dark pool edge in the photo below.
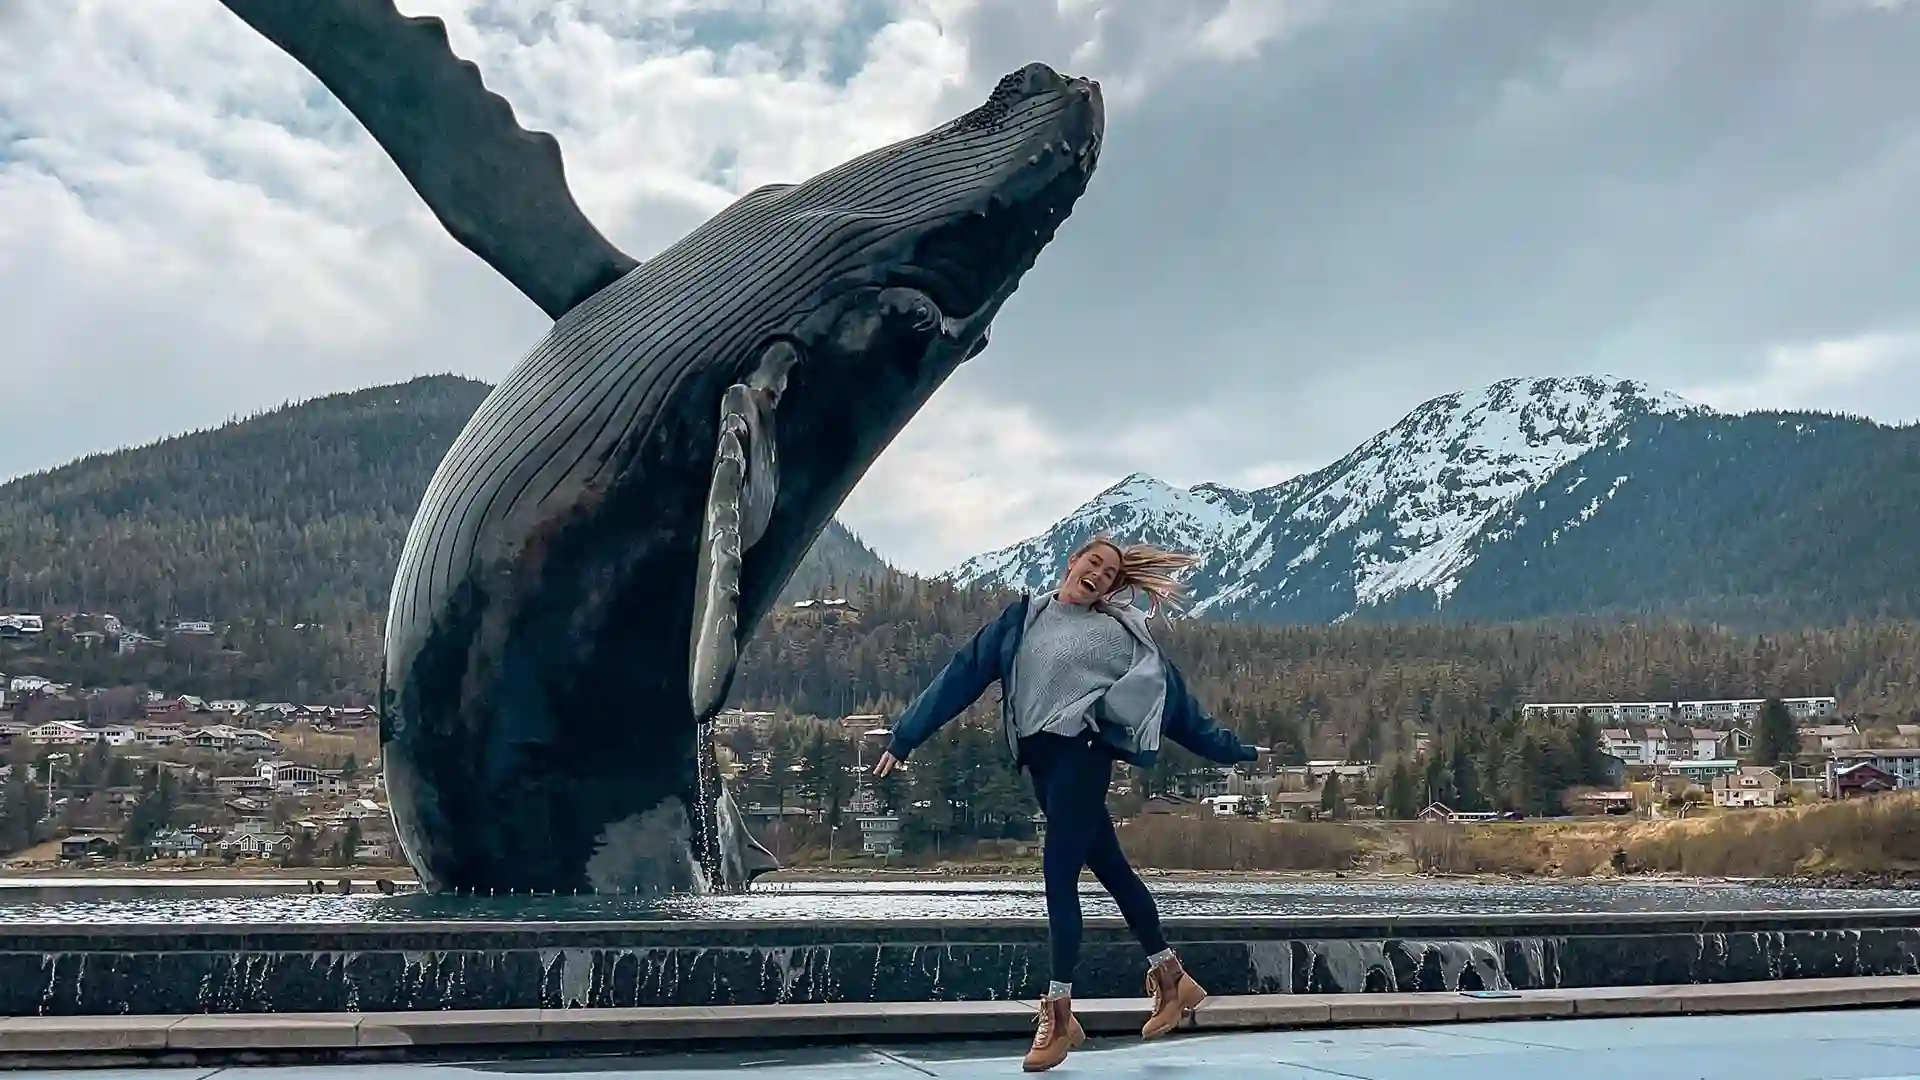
(426, 934)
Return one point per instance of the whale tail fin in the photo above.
(500, 189)
(742, 858)
(757, 860)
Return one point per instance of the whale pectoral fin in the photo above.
(740, 500)
(755, 401)
(716, 603)
(500, 189)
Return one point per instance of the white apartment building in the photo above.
(1720, 712)
(1659, 744)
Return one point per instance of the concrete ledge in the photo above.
(43, 1041)
(52, 1034)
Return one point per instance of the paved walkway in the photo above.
(1849, 1045)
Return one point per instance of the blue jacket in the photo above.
(988, 658)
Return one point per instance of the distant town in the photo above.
(99, 774)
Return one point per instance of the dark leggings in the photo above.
(1070, 779)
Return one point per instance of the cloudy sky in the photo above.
(1309, 217)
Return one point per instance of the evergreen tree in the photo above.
(1464, 779)
(151, 814)
(301, 851)
(1778, 737)
(1331, 802)
(1402, 796)
(349, 841)
(17, 811)
(1436, 781)
(1589, 754)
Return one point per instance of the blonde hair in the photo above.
(1145, 568)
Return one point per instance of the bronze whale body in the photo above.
(626, 505)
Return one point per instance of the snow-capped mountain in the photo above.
(1396, 523)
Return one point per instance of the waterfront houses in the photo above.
(1659, 744)
(1747, 787)
(1902, 765)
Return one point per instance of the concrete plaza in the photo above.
(1876, 1044)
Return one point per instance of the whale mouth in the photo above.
(975, 259)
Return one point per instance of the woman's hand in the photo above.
(885, 764)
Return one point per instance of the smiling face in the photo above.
(1091, 574)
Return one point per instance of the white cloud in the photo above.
(1321, 230)
(191, 228)
(1823, 374)
(967, 475)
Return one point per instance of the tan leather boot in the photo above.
(1174, 995)
(1059, 1032)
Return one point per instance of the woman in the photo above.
(1082, 685)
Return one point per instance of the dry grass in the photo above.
(1171, 842)
(1505, 848)
(1867, 835)
(362, 745)
(1859, 835)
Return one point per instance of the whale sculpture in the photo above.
(624, 508)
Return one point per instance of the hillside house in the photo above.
(1315, 773)
(161, 734)
(255, 839)
(21, 628)
(824, 610)
(1752, 786)
(1829, 737)
(257, 845)
(225, 737)
(1703, 772)
(230, 787)
(175, 844)
(1862, 779)
(89, 845)
(1298, 805)
(133, 641)
(60, 733)
(1660, 744)
(1168, 804)
(1902, 765)
(1740, 740)
(1606, 802)
(288, 777)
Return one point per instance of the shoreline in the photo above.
(364, 879)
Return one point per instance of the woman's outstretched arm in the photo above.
(1187, 723)
(975, 667)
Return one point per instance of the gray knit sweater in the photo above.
(1067, 660)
